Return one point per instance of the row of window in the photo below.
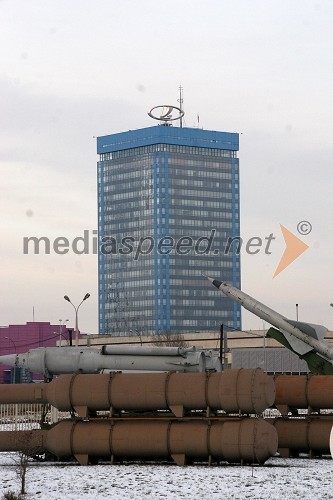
(201, 213)
(132, 296)
(204, 203)
(138, 170)
(147, 182)
(221, 170)
(174, 165)
(133, 170)
(113, 270)
(202, 183)
(192, 302)
(123, 209)
(134, 185)
(192, 223)
(133, 305)
(184, 224)
(141, 188)
(140, 216)
(143, 216)
(137, 304)
(212, 263)
(179, 192)
(126, 207)
(171, 148)
(142, 283)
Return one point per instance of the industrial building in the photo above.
(168, 208)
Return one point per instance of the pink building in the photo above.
(21, 338)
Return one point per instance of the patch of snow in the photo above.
(279, 478)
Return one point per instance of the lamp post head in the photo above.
(87, 295)
(67, 298)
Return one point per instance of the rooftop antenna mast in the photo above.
(181, 100)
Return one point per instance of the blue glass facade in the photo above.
(173, 194)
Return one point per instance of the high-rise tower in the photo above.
(174, 193)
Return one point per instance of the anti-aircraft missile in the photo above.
(60, 360)
(302, 337)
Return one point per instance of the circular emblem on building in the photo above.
(166, 113)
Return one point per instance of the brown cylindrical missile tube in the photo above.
(244, 390)
(303, 391)
(303, 435)
(23, 393)
(233, 440)
(29, 441)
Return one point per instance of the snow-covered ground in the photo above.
(286, 479)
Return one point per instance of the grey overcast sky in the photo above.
(72, 70)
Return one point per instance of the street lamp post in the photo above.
(136, 331)
(87, 295)
(61, 324)
(8, 338)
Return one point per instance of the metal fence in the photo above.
(17, 417)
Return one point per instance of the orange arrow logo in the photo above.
(294, 248)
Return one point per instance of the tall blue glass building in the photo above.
(168, 200)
